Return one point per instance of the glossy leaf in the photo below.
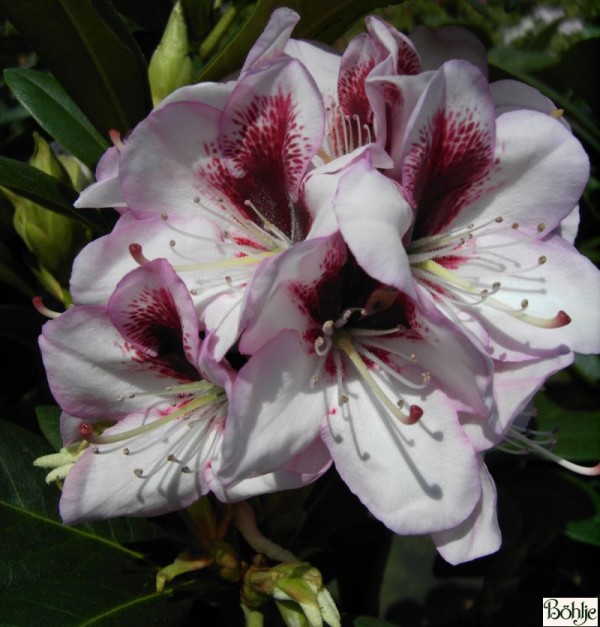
(45, 190)
(75, 575)
(322, 21)
(56, 113)
(587, 530)
(578, 431)
(48, 417)
(88, 49)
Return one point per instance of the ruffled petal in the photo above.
(539, 174)
(306, 467)
(271, 128)
(273, 39)
(514, 386)
(281, 286)
(373, 218)
(160, 162)
(449, 149)
(106, 192)
(152, 309)
(94, 373)
(273, 412)
(435, 47)
(415, 479)
(476, 536)
(322, 63)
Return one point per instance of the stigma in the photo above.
(465, 267)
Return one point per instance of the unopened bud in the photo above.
(171, 66)
(52, 238)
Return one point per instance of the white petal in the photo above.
(476, 536)
(415, 479)
(105, 484)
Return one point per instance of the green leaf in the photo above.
(322, 21)
(56, 113)
(513, 60)
(45, 190)
(48, 417)
(578, 431)
(59, 576)
(92, 55)
(587, 530)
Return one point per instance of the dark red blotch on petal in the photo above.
(265, 159)
(446, 168)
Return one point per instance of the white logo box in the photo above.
(570, 612)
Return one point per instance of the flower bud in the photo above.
(170, 66)
(298, 590)
(52, 238)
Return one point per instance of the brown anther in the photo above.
(138, 472)
(125, 451)
(541, 227)
(514, 225)
(499, 219)
(542, 260)
(186, 469)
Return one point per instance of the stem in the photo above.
(216, 34)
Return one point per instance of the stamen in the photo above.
(41, 308)
(328, 327)
(556, 113)
(138, 472)
(345, 126)
(322, 345)
(269, 226)
(425, 376)
(346, 315)
(358, 332)
(561, 319)
(115, 138)
(135, 250)
(368, 132)
(226, 264)
(339, 372)
(346, 345)
(587, 471)
(86, 430)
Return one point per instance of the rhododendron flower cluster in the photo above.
(363, 260)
